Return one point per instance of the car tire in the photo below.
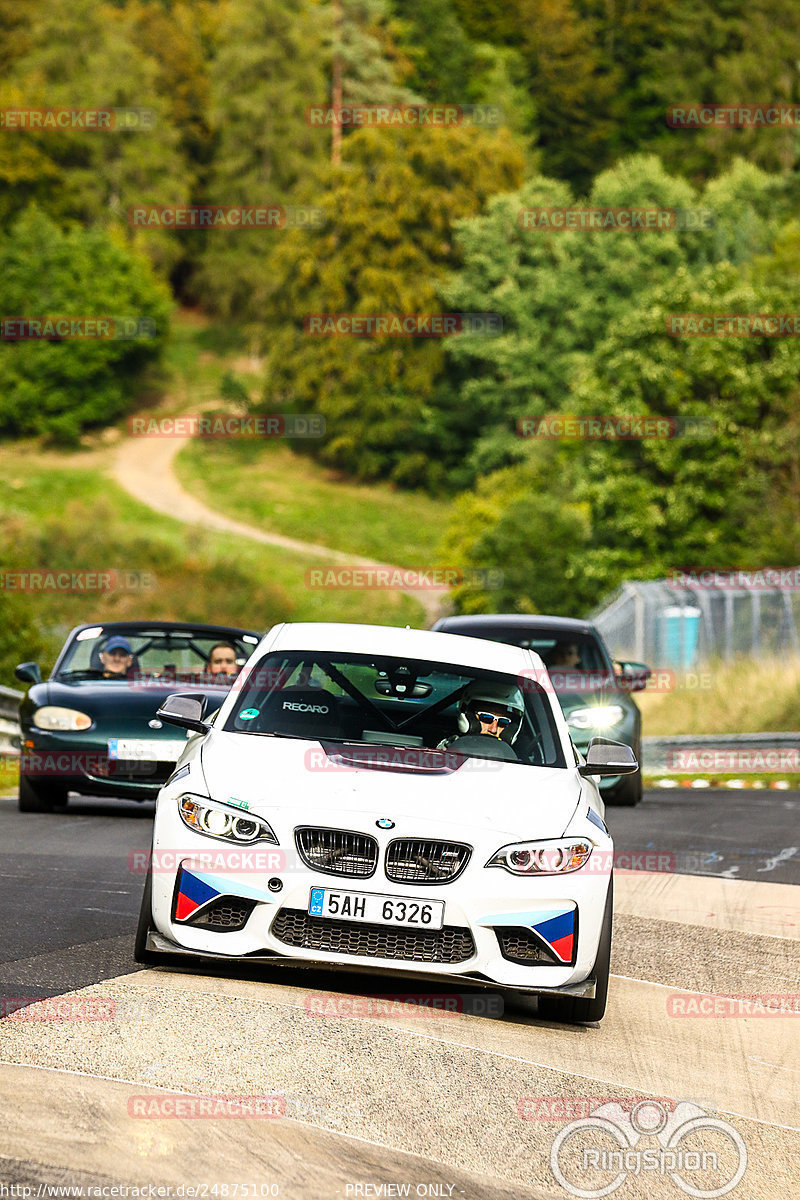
(578, 1009)
(39, 797)
(140, 952)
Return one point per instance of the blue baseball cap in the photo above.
(117, 643)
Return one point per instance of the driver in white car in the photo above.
(489, 709)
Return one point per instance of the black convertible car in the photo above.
(92, 726)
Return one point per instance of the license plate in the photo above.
(375, 909)
(145, 750)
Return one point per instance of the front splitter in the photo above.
(158, 944)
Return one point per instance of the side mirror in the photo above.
(186, 709)
(608, 758)
(632, 676)
(28, 672)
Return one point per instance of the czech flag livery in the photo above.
(191, 893)
(557, 928)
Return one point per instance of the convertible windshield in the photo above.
(397, 702)
(137, 653)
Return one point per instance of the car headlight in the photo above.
(542, 858)
(63, 720)
(601, 716)
(219, 823)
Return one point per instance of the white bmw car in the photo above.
(394, 800)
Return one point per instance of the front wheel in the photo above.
(39, 797)
(575, 1009)
(140, 952)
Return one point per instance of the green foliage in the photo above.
(82, 54)
(388, 242)
(267, 73)
(642, 507)
(61, 388)
(560, 293)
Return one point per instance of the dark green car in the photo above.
(593, 690)
(92, 726)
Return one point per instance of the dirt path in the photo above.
(145, 469)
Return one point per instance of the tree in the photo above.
(267, 73)
(60, 388)
(638, 508)
(82, 55)
(389, 241)
(560, 293)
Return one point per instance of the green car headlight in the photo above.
(61, 720)
(600, 716)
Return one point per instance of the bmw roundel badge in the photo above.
(385, 823)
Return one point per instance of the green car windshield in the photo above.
(176, 655)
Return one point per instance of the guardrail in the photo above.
(763, 752)
(9, 720)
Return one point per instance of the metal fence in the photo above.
(9, 720)
(677, 623)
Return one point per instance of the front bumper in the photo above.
(482, 904)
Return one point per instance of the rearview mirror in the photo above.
(384, 688)
(608, 758)
(28, 672)
(186, 709)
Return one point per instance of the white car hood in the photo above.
(295, 779)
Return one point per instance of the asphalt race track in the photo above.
(377, 1099)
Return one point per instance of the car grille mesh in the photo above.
(452, 944)
(413, 860)
(225, 915)
(338, 851)
(521, 946)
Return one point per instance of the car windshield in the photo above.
(378, 700)
(138, 653)
(558, 648)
